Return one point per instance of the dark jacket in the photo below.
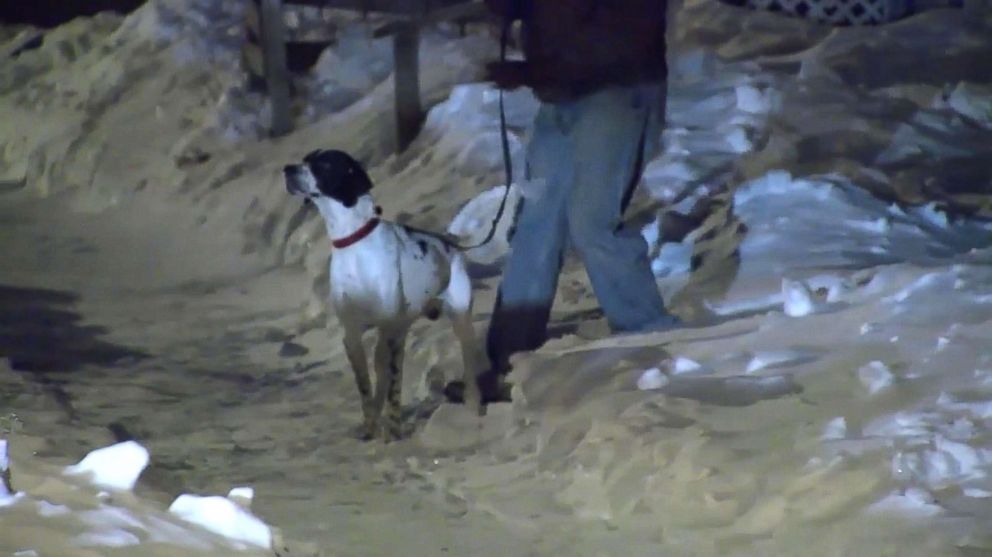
(574, 47)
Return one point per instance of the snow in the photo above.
(875, 376)
(47, 509)
(652, 379)
(222, 516)
(798, 298)
(681, 365)
(106, 538)
(4, 469)
(78, 518)
(242, 495)
(913, 503)
(114, 467)
(836, 428)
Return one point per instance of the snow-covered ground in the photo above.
(831, 393)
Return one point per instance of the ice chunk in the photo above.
(914, 502)
(223, 516)
(751, 100)
(47, 509)
(973, 101)
(673, 258)
(935, 216)
(907, 466)
(949, 462)
(797, 298)
(106, 538)
(968, 460)
(835, 429)
(114, 467)
(981, 409)
(920, 284)
(682, 365)
(652, 379)
(5, 488)
(875, 376)
(242, 495)
(772, 358)
(977, 493)
(902, 424)
(738, 140)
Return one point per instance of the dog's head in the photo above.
(333, 174)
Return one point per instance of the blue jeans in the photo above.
(589, 152)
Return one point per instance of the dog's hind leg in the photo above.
(458, 307)
(360, 367)
(389, 351)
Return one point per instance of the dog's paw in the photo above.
(389, 431)
(363, 433)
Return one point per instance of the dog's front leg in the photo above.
(360, 367)
(389, 381)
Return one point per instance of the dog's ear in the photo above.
(311, 155)
(358, 179)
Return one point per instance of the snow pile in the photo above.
(223, 516)
(972, 100)
(798, 298)
(114, 467)
(711, 122)
(348, 71)
(875, 376)
(786, 216)
(652, 379)
(6, 490)
(466, 128)
(51, 516)
(194, 31)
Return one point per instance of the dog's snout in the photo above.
(290, 172)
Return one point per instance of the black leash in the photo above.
(504, 140)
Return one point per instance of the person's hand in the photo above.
(507, 75)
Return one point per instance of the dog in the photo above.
(384, 276)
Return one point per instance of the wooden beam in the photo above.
(476, 11)
(399, 7)
(406, 74)
(276, 73)
(402, 7)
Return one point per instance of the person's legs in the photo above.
(614, 133)
(530, 275)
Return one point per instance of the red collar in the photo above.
(357, 235)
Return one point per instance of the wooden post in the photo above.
(276, 73)
(406, 73)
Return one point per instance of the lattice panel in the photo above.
(837, 12)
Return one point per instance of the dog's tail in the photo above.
(473, 223)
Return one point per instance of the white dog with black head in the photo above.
(384, 276)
